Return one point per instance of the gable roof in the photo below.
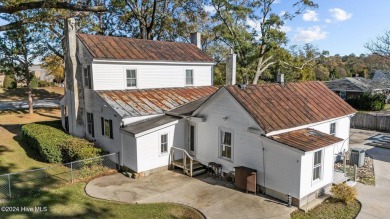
(306, 139)
(122, 48)
(282, 106)
(144, 102)
(355, 84)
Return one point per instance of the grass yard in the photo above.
(330, 209)
(69, 200)
(19, 94)
(72, 202)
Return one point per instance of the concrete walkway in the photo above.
(204, 194)
(375, 199)
(14, 105)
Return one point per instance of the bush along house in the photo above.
(155, 103)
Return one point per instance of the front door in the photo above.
(191, 139)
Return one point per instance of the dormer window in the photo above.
(189, 77)
(131, 78)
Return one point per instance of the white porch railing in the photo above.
(187, 170)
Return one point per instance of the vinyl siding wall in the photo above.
(112, 76)
(148, 146)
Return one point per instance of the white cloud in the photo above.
(253, 24)
(310, 34)
(209, 9)
(310, 15)
(340, 14)
(328, 21)
(277, 1)
(282, 13)
(286, 29)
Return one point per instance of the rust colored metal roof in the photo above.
(281, 106)
(306, 139)
(144, 102)
(122, 48)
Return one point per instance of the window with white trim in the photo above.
(189, 77)
(164, 143)
(90, 124)
(317, 165)
(131, 78)
(226, 146)
(332, 129)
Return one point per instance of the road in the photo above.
(15, 105)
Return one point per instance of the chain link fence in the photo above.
(28, 183)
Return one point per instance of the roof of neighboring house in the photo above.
(356, 84)
(282, 106)
(306, 139)
(144, 125)
(382, 78)
(122, 48)
(143, 102)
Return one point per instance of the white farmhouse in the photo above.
(154, 103)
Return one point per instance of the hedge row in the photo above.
(366, 101)
(55, 146)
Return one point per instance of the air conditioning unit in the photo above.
(357, 157)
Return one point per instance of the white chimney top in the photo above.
(196, 39)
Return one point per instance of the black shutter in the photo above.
(102, 119)
(111, 134)
(93, 125)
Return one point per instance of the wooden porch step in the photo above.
(199, 171)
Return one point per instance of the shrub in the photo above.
(34, 82)
(78, 149)
(366, 101)
(55, 146)
(344, 193)
(44, 83)
(9, 82)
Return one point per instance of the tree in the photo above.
(381, 45)
(54, 65)
(253, 31)
(159, 20)
(18, 50)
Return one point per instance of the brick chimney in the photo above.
(231, 68)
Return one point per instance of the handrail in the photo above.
(185, 155)
(181, 149)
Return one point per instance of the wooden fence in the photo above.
(377, 122)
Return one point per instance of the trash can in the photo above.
(357, 157)
(245, 179)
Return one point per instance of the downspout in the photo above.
(121, 150)
(262, 146)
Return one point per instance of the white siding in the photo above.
(148, 146)
(342, 131)
(282, 168)
(112, 76)
(129, 155)
(247, 149)
(306, 183)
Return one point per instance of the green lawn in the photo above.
(67, 200)
(71, 202)
(330, 209)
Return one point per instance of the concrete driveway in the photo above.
(204, 194)
(375, 199)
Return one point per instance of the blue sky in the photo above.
(339, 26)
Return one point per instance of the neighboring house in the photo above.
(154, 103)
(351, 87)
(41, 74)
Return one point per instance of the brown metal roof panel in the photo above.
(120, 110)
(306, 139)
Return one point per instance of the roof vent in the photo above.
(242, 86)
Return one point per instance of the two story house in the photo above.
(155, 103)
